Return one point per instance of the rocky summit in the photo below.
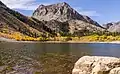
(61, 12)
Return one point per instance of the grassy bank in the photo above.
(89, 38)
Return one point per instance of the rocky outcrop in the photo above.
(97, 65)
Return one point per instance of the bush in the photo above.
(68, 39)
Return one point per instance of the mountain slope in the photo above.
(12, 21)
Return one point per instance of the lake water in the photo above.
(49, 58)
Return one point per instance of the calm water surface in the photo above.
(50, 58)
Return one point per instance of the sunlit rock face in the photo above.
(97, 65)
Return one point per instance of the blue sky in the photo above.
(102, 11)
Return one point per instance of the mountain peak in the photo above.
(60, 12)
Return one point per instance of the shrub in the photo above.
(68, 39)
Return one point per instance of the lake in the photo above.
(49, 58)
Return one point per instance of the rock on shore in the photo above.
(97, 65)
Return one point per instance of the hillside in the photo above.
(13, 22)
(47, 21)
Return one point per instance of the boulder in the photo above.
(97, 65)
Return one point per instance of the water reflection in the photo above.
(76, 49)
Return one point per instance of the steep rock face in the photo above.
(97, 65)
(113, 27)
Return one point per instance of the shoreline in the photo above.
(112, 42)
(13, 40)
